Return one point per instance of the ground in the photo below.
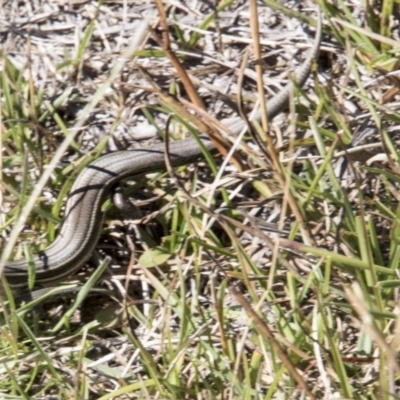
(268, 274)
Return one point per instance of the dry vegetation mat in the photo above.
(270, 271)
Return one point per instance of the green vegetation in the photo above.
(217, 307)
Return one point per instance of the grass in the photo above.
(215, 305)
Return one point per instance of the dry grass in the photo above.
(228, 295)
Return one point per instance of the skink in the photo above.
(83, 219)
